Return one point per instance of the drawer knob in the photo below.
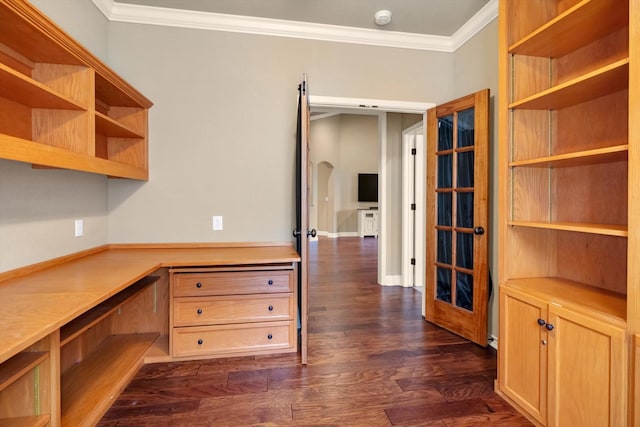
(270, 308)
(541, 322)
(549, 327)
(270, 282)
(270, 336)
(198, 285)
(199, 311)
(200, 342)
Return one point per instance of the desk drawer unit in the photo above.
(246, 311)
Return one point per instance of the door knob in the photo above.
(478, 231)
(296, 233)
(312, 232)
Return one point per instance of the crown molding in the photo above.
(474, 25)
(132, 13)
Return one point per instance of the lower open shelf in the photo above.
(88, 388)
(34, 421)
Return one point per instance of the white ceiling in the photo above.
(435, 17)
(441, 25)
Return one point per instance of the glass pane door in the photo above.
(454, 208)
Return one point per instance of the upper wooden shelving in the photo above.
(578, 26)
(44, 73)
(110, 127)
(603, 81)
(26, 91)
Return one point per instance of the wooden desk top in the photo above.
(34, 305)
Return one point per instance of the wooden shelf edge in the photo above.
(608, 305)
(602, 229)
(586, 22)
(22, 150)
(88, 388)
(603, 81)
(112, 128)
(32, 93)
(85, 321)
(18, 365)
(578, 158)
(32, 421)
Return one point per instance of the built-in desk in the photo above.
(74, 330)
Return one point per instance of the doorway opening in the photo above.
(389, 169)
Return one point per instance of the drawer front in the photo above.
(193, 311)
(237, 282)
(245, 338)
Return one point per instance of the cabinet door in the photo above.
(587, 371)
(522, 351)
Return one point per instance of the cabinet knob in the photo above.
(270, 308)
(478, 231)
(270, 336)
(200, 342)
(541, 322)
(544, 342)
(198, 285)
(549, 327)
(199, 311)
(270, 282)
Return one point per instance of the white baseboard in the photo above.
(493, 341)
(336, 235)
(392, 281)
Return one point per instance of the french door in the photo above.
(456, 295)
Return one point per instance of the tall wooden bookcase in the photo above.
(569, 267)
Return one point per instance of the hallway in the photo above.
(373, 361)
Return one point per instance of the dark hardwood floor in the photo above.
(373, 361)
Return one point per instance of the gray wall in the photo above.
(476, 68)
(222, 130)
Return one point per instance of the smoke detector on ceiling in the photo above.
(382, 17)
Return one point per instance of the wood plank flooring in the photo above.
(373, 361)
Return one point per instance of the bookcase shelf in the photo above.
(578, 26)
(604, 229)
(603, 81)
(611, 154)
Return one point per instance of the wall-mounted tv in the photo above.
(367, 187)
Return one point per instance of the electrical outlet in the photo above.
(217, 222)
(79, 228)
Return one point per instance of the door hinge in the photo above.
(414, 151)
(413, 206)
(413, 261)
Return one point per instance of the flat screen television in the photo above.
(367, 187)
